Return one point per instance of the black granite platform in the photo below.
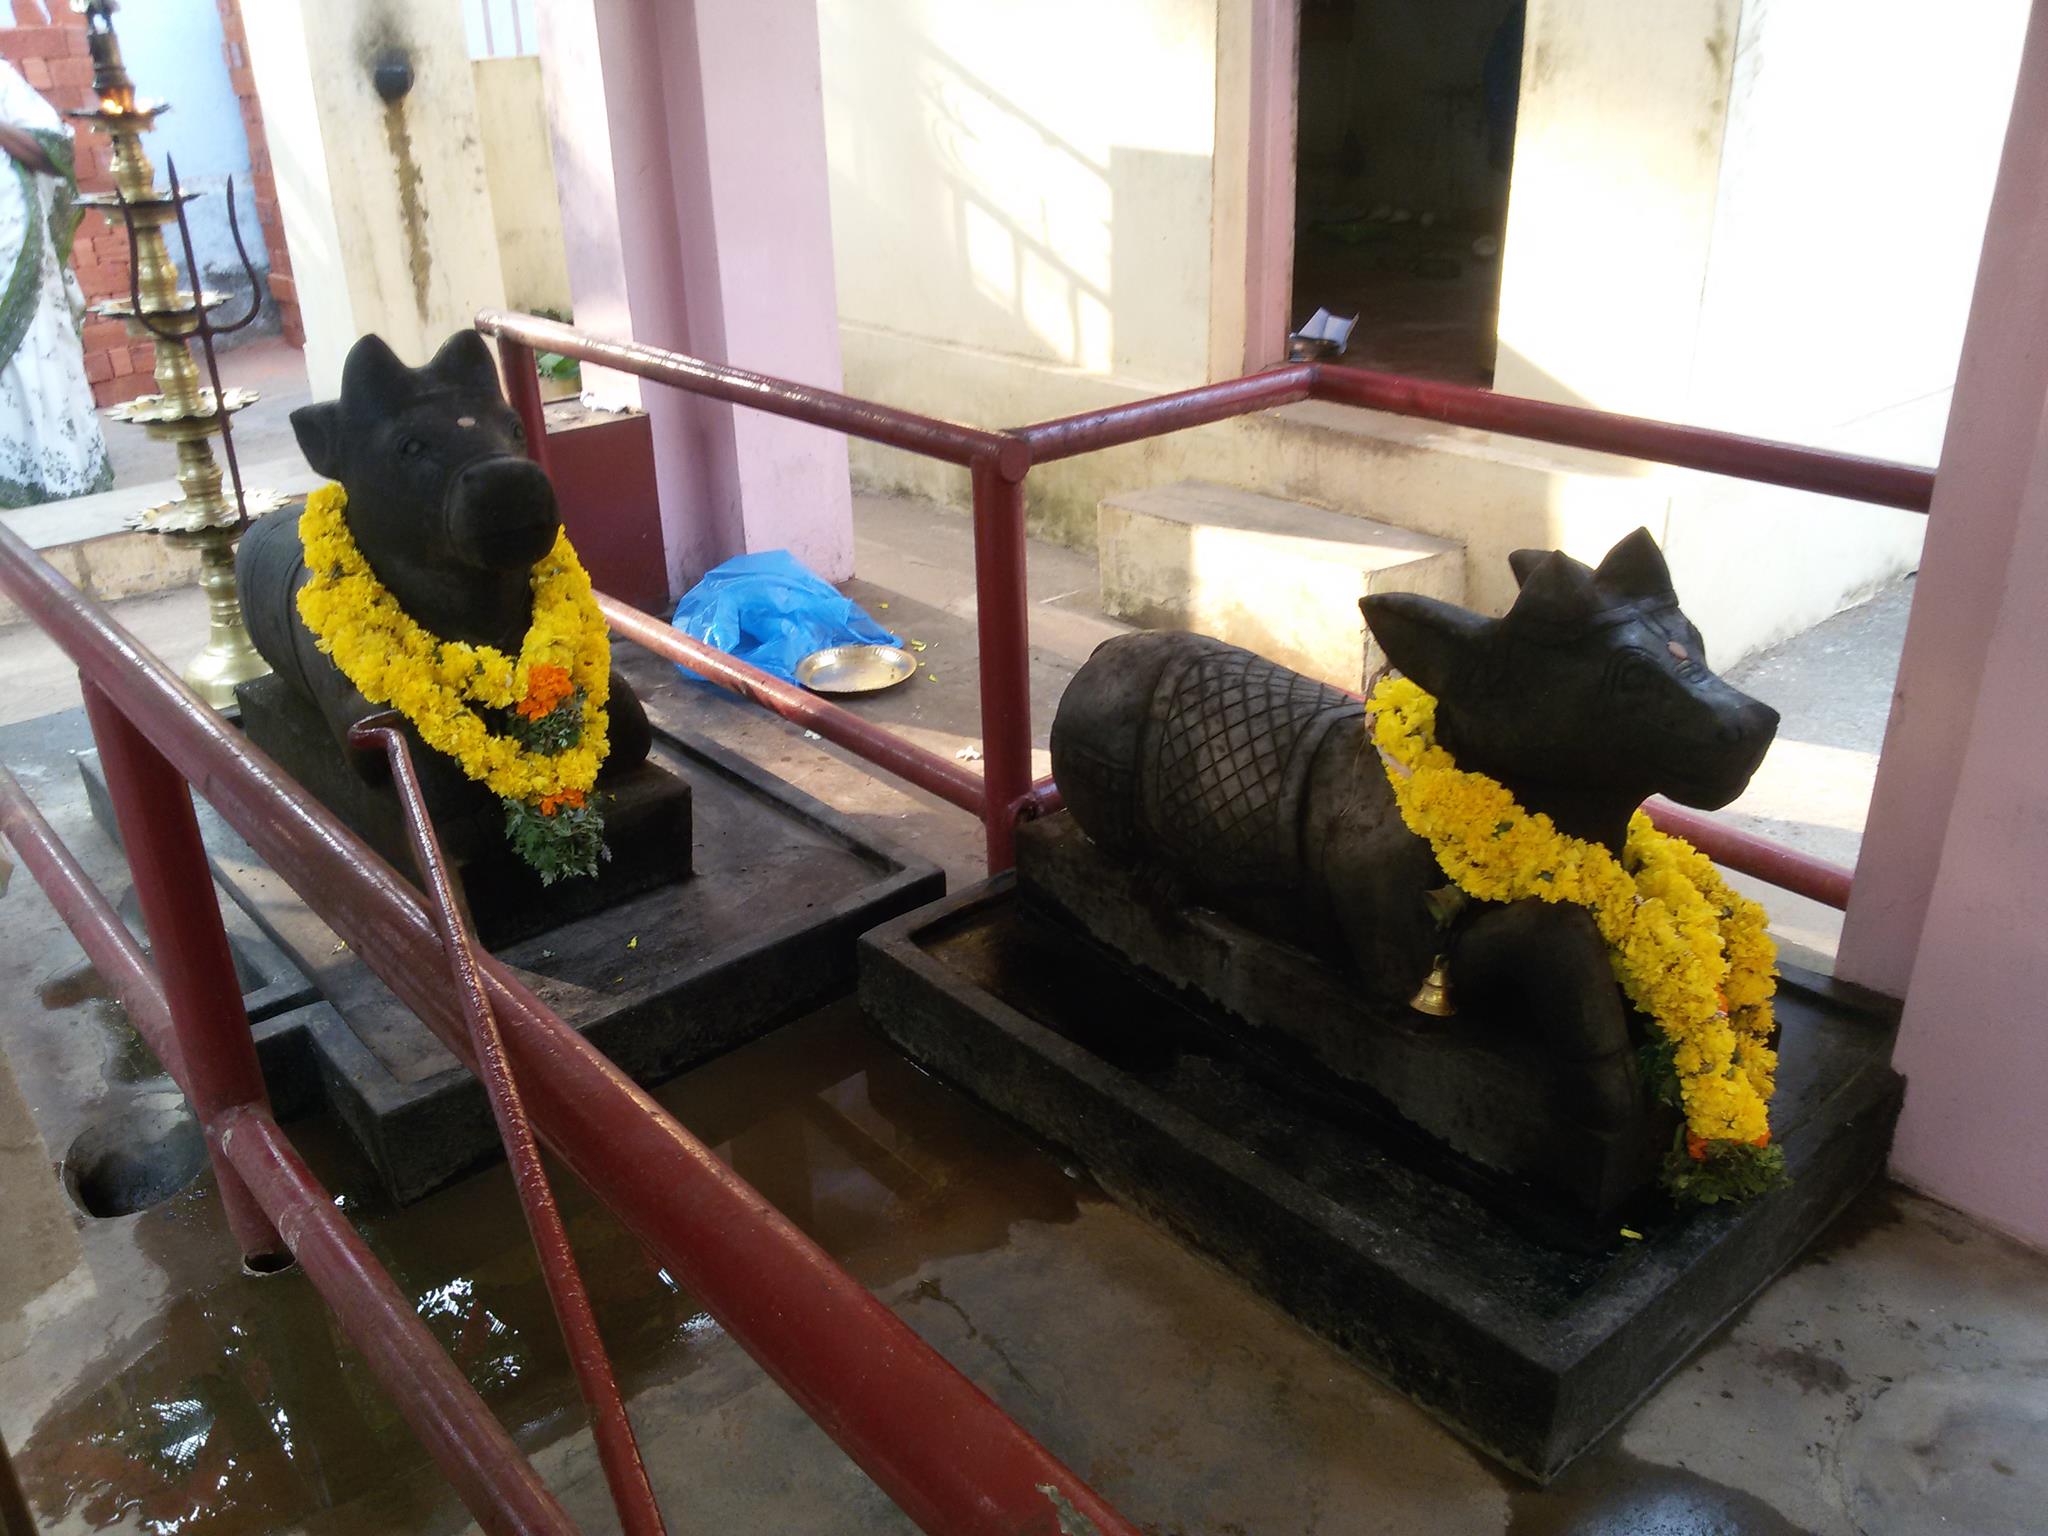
(647, 822)
(761, 929)
(1529, 1350)
(1472, 1097)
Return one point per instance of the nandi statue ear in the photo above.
(465, 361)
(373, 378)
(1556, 589)
(1427, 639)
(318, 429)
(1635, 568)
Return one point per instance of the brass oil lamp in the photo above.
(181, 412)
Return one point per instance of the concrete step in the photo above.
(93, 545)
(1278, 577)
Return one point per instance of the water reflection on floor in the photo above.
(236, 1406)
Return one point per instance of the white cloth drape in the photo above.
(50, 442)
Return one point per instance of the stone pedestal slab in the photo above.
(1529, 1351)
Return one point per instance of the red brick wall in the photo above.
(236, 45)
(53, 59)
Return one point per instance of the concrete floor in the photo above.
(92, 540)
(272, 367)
(1892, 1382)
(1832, 688)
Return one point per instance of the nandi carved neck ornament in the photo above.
(1691, 954)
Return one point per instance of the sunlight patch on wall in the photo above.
(991, 254)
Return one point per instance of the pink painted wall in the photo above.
(1974, 1045)
(1954, 876)
(690, 149)
(764, 257)
(2001, 380)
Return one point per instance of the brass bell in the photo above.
(1433, 997)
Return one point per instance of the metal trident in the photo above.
(203, 328)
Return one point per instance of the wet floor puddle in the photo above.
(128, 1058)
(240, 1408)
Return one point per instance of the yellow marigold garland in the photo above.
(1688, 951)
(441, 685)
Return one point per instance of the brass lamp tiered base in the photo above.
(230, 656)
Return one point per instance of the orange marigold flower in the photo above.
(546, 686)
(1695, 1147)
(1763, 1140)
(549, 804)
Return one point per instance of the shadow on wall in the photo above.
(1053, 253)
(1753, 563)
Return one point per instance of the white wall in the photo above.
(1862, 143)
(386, 207)
(1026, 177)
(1611, 200)
(500, 29)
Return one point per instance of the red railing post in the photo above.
(1003, 623)
(617, 1450)
(497, 1483)
(522, 389)
(167, 862)
(931, 1440)
(490, 1475)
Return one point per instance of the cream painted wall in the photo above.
(1750, 213)
(282, 61)
(1856, 174)
(1861, 148)
(1029, 178)
(918, 332)
(1611, 201)
(511, 110)
(1767, 223)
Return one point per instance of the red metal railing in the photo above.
(494, 1481)
(998, 463)
(1882, 481)
(930, 1439)
(947, 779)
(617, 1450)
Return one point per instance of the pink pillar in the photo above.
(2001, 380)
(1954, 876)
(690, 149)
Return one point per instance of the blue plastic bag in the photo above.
(771, 611)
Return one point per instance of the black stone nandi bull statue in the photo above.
(451, 516)
(1258, 792)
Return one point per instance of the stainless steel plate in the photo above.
(855, 668)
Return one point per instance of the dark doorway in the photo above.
(1405, 138)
